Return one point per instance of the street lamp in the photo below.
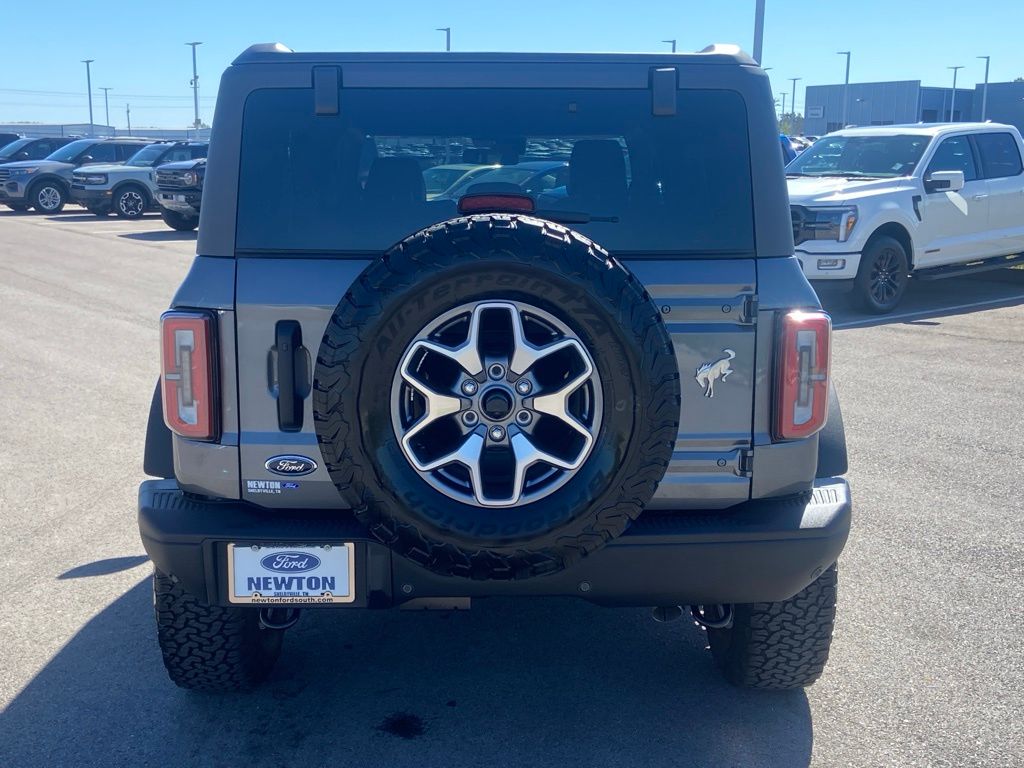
(672, 43)
(792, 103)
(952, 102)
(758, 30)
(106, 105)
(447, 37)
(984, 90)
(846, 83)
(195, 86)
(88, 85)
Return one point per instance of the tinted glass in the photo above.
(101, 153)
(875, 156)
(954, 154)
(355, 181)
(1000, 156)
(148, 156)
(69, 152)
(198, 152)
(14, 147)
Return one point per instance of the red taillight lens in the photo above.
(801, 387)
(187, 378)
(496, 204)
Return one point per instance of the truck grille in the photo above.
(174, 179)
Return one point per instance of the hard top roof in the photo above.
(921, 129)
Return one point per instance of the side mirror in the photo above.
(944, 181)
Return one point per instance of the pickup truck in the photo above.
(873, 207)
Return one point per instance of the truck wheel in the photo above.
(883, 275)
(779, 645)
(496, 397)
(47, 197)
(130, 202)
(179, 221)
(210, 648)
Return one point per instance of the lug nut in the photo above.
(496, 371)
(524, 418)
(469, 387)
(497, 433)
(523, 386)
(469, 418)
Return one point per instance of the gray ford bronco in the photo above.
(616, 388)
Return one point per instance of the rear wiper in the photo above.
(573, 217)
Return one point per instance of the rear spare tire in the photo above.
(496, 397)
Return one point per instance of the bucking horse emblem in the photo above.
(709, 373)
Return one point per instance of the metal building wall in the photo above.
(1005, 103)
(868, 104)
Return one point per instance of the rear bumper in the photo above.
(760, 551)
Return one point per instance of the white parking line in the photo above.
(927, 312)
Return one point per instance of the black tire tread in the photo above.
(563, 251)
(783, 645)
(208, 647)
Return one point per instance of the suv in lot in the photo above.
(129, 189)
(179, 192)
(371, 399)
(873, 206)
(45, 185)
(31, 149)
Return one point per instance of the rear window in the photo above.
(999, 155)
(382, 169)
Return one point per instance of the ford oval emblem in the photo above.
(290, 562)
(293, 466)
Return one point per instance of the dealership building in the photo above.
(907, 101)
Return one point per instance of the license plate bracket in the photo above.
(291, 574)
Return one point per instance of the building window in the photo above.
(930, 116)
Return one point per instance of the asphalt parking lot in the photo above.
(927, 667)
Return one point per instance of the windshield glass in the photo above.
(69, 152)
(875, 156)
(148, 156)
(9, 149)
(365, 179)
(440, 178)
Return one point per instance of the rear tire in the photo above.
(48, 197)
(210, 648)
(130, 202)
(179, 221)
(782, 645)
(883, 275)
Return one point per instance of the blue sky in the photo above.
(140, 54)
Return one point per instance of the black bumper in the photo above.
(91, 198)
(760, 551)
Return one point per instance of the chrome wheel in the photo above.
(131, 204)
(496, 403)
(48, 198)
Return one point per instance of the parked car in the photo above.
(788, 153)
(45, 185)
(874, 206)
(129, 189)
(180, 193)
(370, 399)
(441, 178)
(31, 149)
(532, 176)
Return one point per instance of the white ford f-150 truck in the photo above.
(874, 206)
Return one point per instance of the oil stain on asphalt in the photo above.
(403, 724)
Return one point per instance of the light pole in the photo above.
(792, 102)
(672, 43)
(106, 105)
(758, 30)
(447, 37)
(952, 101)
(88, 85)
(846, 83)
(128, 117)
(195, 85)
(783, 116)
(984, 88)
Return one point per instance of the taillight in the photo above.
(187, 379)
(801, 386)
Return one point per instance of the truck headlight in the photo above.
(23, 171)
(832, 223)
(94, 178)
(190, 178)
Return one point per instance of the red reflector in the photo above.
(496, 204)
(801, 387)
(187, 379)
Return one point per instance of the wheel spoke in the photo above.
(438, 406)
(556, 403)
(525, 354)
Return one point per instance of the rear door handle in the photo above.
(291, 378)
(978, 197)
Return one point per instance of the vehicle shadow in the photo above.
(160, 235)
(927, 300)
(536, 683)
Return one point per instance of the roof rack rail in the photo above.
(258, 48)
